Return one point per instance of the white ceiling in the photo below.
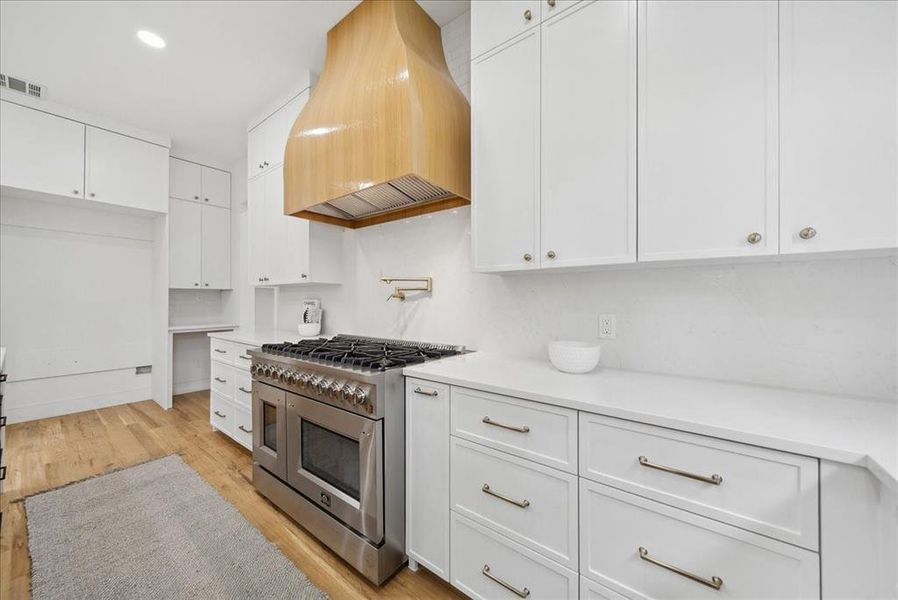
(224, 61)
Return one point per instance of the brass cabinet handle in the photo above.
(521, 429)
(519, 503)
(551, 3)
(528, 15)
(244, 390)
(520, 593)
(218, 414)
(220, 380)
(715, 582)
(528, 257)
(754, 237)
(423, 393)
(714, 479)
(243, 429)
(807, 233)
(220, 351)
(551, 254)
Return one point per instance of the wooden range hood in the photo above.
(386, 134)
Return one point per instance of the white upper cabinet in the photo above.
(216, 187)
(267, 141)
(216, 247)
(40, 151)
(256, 150)
(839, 186)
(496, 21)
(185, 244)
(185, 180)
(707, 129)
(126, 171)
(588, 145)
(505, 154)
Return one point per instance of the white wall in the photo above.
(76, 306)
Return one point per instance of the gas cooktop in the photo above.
(363, 352)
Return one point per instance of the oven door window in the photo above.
(331, 457)
(270, 426)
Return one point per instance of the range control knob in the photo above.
(292, 377)
(263, 370)
(359, 396)
(284, 375)
(304, 379)
(252, 369)
(347, 392)
(335, 388)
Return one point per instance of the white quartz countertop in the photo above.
(197, 327)
(850, 430)
(257, 337)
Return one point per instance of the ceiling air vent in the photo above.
(29, 88)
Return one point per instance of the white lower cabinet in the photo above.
(230, 396)
(496, 505)
(221, 413)
(646, 549)
(488, 565)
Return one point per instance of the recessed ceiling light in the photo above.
(151, 39)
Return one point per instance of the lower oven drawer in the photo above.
(644, 549)
(221, 414)
(525, 501)
(487, 565)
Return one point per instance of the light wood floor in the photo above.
(44, 454)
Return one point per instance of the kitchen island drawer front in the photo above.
(223, 380)
(221, 350)
(241, 358)
(487, 565)
(538, 432)
(644, 549)
(533, 505)
(590, 590)
(243, 389)
(221, 414)
(772, 493)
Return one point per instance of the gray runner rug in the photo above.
(156, 530)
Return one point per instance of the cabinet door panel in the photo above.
(185, 235)
(294, 265)
(838, 125)
(278, 262)
(216, 187)
(184, 180)
(496, 21)
(257, 237)
(255, 150)
(275, 139)
(588, 150)
(216, 247)
(126, 171)
(505, 152)
(707, 129)
(41, 152)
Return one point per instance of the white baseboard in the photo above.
(55, 408)
(185, 387)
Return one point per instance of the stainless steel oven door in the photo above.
(270, 428)
(335, 458)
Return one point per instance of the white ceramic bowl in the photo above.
(309, 329)
(574, 357)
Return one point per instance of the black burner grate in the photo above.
(364, 353)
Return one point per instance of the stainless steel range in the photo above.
(329, 441)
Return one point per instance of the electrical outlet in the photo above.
(608, 327)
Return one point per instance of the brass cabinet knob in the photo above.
(528, 15)
(807, 233)
(551, 254)
(754, 237)
(92, 195)
(551, 3)
(528, 258)
(75, 192)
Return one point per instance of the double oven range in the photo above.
(329, 441)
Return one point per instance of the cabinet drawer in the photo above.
(221, 350)
(590, 590)
(221, 414)
(490, 487)
(621, 535)
(242, 360)
(243, 427)
(243, 389)
(480, 555)
(772, 493)
(223, 380)
(496, 21)
(539, 432)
